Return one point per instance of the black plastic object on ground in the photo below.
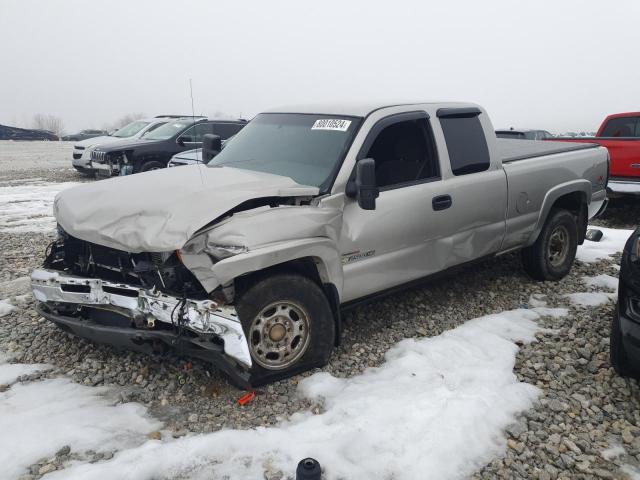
(308, 469)
(593, 235)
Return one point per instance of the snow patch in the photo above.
(6, 308)
(38, 418)
(612, 241)
(551, 312)
(436, 408)
(602, 281)
(17, 286)
(29, 207)
(632, 472)
(9, 373)
(589, 299)
(536, 300)
(613, 452)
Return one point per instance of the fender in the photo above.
(581, 185)
(322, 250)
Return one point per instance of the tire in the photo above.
(151, 165)
(617, 355)
(288, 324)
(551, 256)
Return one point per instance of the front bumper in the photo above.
(202, 317)
(81, 158)
(629, 303)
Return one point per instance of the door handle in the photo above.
(441, 202)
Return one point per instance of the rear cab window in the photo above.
(622, 127)
(465, 139)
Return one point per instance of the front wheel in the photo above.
(551, 256)
(288, 324)
(151, 165)
(617, 355)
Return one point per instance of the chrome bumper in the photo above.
(624, 187)
(202, 316)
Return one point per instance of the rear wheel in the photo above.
(551, 256)
(288, 324)
(617, 355)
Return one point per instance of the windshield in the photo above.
(168, 130)
(306, 148)
(131, 129)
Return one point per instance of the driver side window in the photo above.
(405, 154)
(194, 134)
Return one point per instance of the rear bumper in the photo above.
(621, 186)
(204, 318)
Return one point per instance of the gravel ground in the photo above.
(584, 409)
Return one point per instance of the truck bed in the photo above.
(514, 150)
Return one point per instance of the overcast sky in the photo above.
(557, 65)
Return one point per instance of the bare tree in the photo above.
(125, 119)
(48, 122)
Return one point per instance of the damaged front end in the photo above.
(148, 302)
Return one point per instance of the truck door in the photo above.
(406, 236)
(477, 185)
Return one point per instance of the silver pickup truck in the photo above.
(249, 260)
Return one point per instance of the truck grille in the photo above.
(99, 157)
(161, 270)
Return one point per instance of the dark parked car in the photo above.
(625, 327)
(524, 134)
(15, 133)
(84, 134)
(155, 149)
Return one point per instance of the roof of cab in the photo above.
(353, 109)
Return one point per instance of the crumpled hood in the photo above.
(159, 211)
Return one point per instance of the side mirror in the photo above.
(180, 141)
(211, 146)
(364, 189)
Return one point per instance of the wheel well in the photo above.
(306, 267)
(576, 203)
(138, 162)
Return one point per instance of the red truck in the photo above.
(620, 134)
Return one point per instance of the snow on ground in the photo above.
(613, 452)
(16, 287)
(633, 473)
(28, 207)
(589, 299)
(5, 308)
(602, 281)
(537, 300)
(38, 418)
(436, 408)
(612, 241)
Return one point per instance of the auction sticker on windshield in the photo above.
(331, 124)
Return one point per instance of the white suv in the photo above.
(136, 129)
